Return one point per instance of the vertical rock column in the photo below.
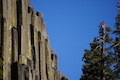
(22, 30)
(29, 48)
(33, 49)
(8, 22)
(38, 26)
(48, 59)
(36, 54)
(22, 27)
(5, 41)
(43, 37)
(54, 66)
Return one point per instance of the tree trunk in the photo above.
(103, 49)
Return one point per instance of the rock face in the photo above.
(25, 52)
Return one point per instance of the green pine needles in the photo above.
(102, 61)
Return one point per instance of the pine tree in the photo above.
(99, 59)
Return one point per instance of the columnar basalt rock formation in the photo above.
(25, 52)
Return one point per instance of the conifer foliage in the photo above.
(102, 61)
(98, 61)
(116, 44)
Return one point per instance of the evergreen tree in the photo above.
(99, 59)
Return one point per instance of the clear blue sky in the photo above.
(71, 26)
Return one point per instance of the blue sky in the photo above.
(71, 26)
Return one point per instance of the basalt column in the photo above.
(22, 30)
(8, 22)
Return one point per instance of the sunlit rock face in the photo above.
(25, 52)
